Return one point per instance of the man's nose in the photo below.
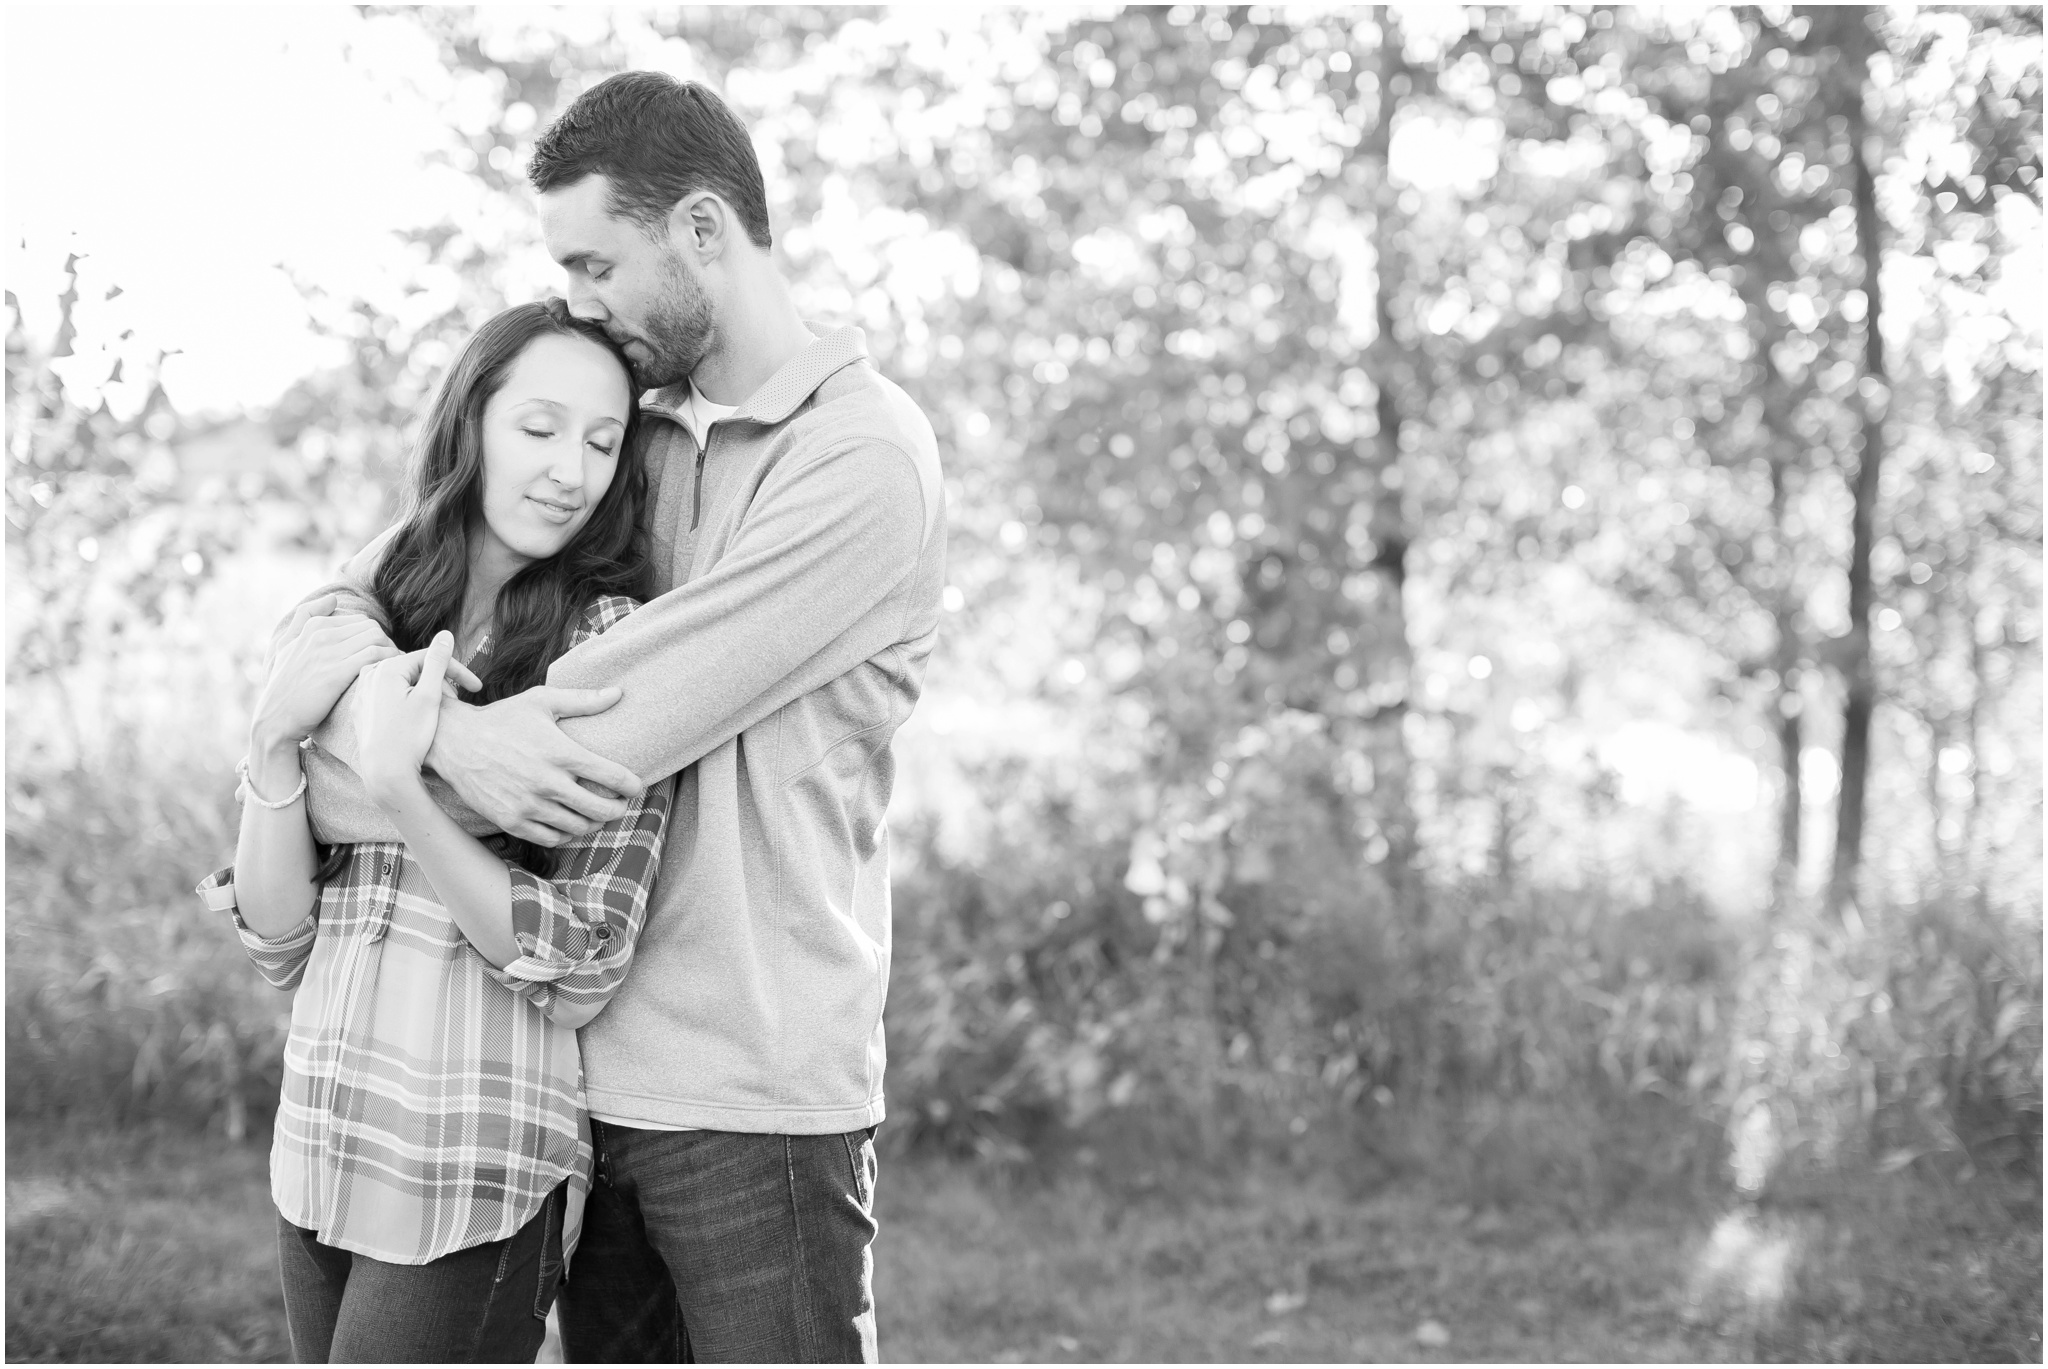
(584, 303)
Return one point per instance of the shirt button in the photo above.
(387, 869)
(604, 932)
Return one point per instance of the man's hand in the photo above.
(511, 763)
(320, 652)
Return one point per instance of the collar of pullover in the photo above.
(797, 380)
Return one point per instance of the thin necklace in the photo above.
(470, 635)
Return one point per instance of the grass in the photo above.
(157, 1246)
(1290, 1268)
(147, 1245)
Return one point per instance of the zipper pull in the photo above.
(697, 488)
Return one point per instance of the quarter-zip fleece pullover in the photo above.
(799, 559)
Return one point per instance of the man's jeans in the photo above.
(724, 1246)
(484, 1305)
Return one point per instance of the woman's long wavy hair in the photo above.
(424, 572)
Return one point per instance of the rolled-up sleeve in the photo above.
(576, 931)
(281, 960)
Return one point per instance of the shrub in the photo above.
(1228, 967)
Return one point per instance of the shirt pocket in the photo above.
(358, 905)
(846, 791)
(843, 715)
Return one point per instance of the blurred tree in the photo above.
(100, 532)
(1737, 154)
(1181, 395)
(1960, 98)
(1381, 659)
(1850, 38)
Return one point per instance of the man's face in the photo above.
(645, 291)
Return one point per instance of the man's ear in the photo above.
(700, 223)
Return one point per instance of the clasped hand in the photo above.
(400, 712)
(319, 655)
(512, 763)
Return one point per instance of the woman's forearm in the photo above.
(469, 878)
(274, 856)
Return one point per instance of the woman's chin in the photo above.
(539, 545)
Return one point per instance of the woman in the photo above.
(431, 1154)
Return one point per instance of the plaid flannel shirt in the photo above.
(431, 1100)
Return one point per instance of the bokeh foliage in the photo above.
(1355, 422)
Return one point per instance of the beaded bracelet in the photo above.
(249, 789)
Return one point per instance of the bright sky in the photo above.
(201, 158)
(188, 153)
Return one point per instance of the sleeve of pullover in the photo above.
(789, 606)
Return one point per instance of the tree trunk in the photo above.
(1792, 801)
(1874, 395)
(1381, 658)
(1788, 702)
(1976, 878)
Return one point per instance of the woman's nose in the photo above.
(568, 471)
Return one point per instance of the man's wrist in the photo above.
(454, 714)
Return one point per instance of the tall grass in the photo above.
(125, 997)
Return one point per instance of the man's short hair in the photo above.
(656, 139)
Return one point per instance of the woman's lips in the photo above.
(554, 512)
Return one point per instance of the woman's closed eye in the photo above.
(602, 449)
(541, 433)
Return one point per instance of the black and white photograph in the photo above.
(1015, 684)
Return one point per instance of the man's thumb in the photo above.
(576, 703)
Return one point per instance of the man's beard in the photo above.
(679, 328)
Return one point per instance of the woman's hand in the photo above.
(401, 708)
(320, 656)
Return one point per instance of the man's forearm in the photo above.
(341, 808)
(789, 607)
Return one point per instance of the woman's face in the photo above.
(552, 434)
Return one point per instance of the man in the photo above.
(798, 534)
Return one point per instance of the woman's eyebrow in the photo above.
(557, 406)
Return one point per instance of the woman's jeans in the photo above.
(725, 1246)
(487, 1304)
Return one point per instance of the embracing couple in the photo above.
(562, 813)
